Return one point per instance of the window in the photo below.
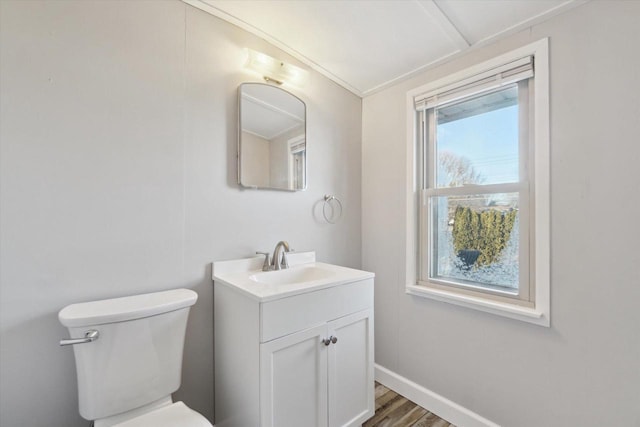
(481, 146)
(297, 162)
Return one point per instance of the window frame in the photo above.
(429, 189)
(534, 307)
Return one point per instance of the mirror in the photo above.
(272, 138)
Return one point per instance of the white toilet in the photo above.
(128, 355)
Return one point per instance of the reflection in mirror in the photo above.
(272, 146)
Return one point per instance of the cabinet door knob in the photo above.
(330, 340)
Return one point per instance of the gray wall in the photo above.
(118, 130)
(585, 369)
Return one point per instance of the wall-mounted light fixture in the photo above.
(274, 70)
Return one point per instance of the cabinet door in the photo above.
(351, 388)
(293, 380)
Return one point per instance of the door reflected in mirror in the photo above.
(272, 140)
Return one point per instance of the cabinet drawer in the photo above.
(287, 315)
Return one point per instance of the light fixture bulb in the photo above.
(274, 70)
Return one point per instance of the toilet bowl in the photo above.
(173, 415)
(128, 354)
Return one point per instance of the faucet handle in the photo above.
(266, 266)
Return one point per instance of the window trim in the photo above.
(540, 197)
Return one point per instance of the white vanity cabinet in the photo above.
(305, 382)
(303, 360)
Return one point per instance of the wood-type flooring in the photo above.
(393, 410)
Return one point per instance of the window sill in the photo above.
(512, 311)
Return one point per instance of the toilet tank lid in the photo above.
(126, 308)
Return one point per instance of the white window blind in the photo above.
(297, 146)
(496, 77)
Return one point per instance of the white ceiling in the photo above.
(367, 45)
(269, 112)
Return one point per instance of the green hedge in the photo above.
(485, 231)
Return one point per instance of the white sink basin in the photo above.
(303, 275)
(293, 275)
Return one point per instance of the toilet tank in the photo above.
(137, 358)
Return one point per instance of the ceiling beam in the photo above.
(445, 24)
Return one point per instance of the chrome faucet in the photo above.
(276, 262)
(279, 259)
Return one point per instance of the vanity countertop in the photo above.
(303, 275)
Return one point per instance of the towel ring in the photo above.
(332, 218)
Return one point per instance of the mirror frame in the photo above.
(239, 144)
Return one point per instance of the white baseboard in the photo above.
(439, 405)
